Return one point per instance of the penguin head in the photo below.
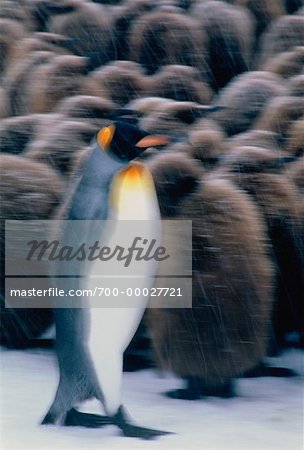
(125, 141)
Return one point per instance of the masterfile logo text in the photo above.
(80, 264)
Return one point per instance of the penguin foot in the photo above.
(225, 390)
(263, 370)
(76, 418)
(183, 394)
(196, 389)
(130, 430)
(141, 432)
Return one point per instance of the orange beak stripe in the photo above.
(153, 141)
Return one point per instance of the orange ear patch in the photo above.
(132, 173)
(105, 136)
(135, 176)
(132, 182)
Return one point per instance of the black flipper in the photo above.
(120, 419)
(76, 418)
(195, 389)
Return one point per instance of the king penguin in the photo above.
(90, 341)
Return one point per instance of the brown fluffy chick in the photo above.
(226, 331)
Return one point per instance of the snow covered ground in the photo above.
(267, 414)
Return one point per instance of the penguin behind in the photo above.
(90, 362)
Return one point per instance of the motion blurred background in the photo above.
(225, 80)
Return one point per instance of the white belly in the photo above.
(116, 326)
(111, 329)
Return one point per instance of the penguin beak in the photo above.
(152, 141)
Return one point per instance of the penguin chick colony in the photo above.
(262, 174)
(77, 61)
(226, 332)
(162, 38)
(122, 81)
(17, 132)
(28, 191)
(245, 98)
(283, 35)
(264, 11)
(62, 147)
(181, 83)
(88, 28)
(229, 39)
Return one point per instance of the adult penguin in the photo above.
(91, 341)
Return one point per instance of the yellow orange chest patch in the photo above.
(132, 193)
